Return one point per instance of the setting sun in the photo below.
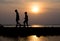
(35, 9)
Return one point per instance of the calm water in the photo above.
(34, 26)
(31, 38)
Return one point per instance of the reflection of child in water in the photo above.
(17, 18)
(26, 19)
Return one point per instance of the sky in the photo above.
(49, 11)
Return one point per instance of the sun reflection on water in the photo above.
(35, 38)
(37, 26)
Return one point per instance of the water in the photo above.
(34, 26)
(31, 38)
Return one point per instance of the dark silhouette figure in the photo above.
(26, 19)
(17, 18)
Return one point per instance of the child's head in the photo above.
(25, 12)
(16, 10)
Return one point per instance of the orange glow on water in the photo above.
(37, 26)
(35, 38)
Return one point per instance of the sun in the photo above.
(35, 9)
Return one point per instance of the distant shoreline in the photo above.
(14, 25)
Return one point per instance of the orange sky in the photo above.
(49, 11)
